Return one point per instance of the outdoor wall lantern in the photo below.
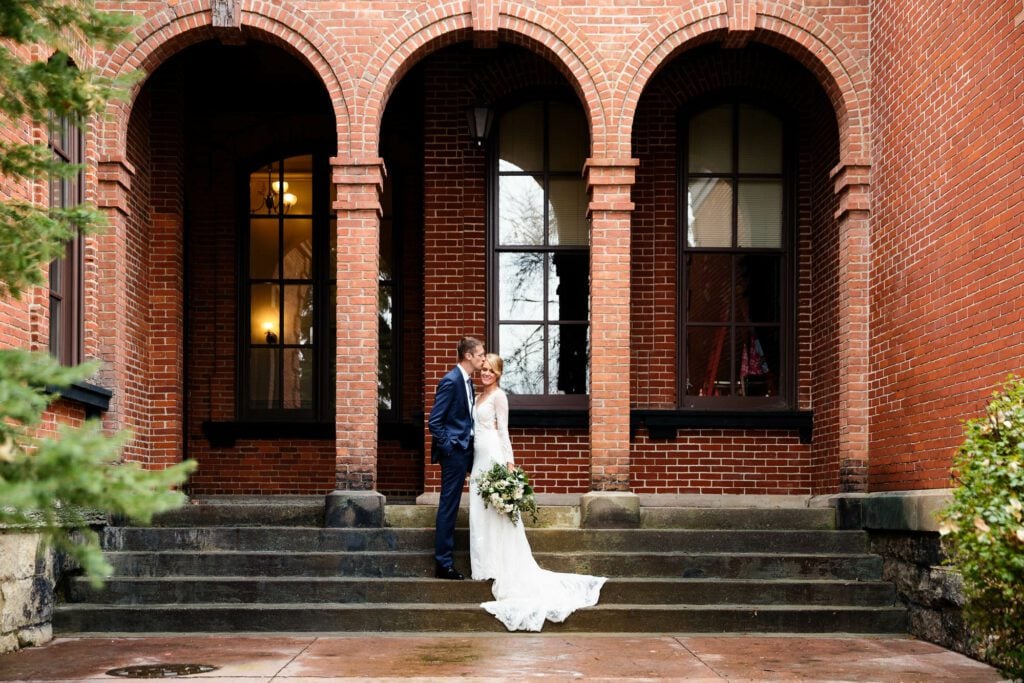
(480, 120)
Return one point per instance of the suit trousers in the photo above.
(453, 475)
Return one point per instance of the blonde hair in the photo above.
(497, 365)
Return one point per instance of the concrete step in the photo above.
(308, 539)
(236, 511)
(737, 518)
(568, 516)
(650, 591)
(440, 617)
(404, 563)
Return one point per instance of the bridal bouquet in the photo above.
(508, 491)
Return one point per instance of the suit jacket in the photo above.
(451, 419)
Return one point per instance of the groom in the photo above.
(451, 426)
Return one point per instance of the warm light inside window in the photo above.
(279, 186)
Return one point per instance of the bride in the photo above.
(524, 594)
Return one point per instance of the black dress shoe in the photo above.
(448, 573)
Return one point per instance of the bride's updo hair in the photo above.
(497, 364)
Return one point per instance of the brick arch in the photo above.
(790, 31)
(168, 32)
(432, 26)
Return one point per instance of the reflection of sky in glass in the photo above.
(521, 210)
(520, 286)
(522, 348)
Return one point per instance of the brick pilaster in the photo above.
(114, 185)
(852, 187)
(609, 182)
(358, 183)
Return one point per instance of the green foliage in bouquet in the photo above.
(57, 486)
(983, 528)
(508, 491)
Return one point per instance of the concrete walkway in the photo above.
(511, 657)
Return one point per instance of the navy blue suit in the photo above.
(451, 426)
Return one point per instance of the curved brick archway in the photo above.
(432, 27)
(176, 28)
(790, 31)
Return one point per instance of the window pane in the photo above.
(264, 316)
(567, 212)
(758, 358)
(263, 379)
(708, 362)
(708, 285)
(298, 249)
(298, 314)
(520, 286)
(261, 199)
(386, 270)
(568, 355)
(759, 215)
(520, 210)
(709, 213)
(57, 276)
(521, 139)
(263, 245)
(758, 288)
(298, 178)
(567, 137)
(298, 378)
(56, 316)
(760, 141)
(568, 285)
(711, 141)
(522, 348)
(385, 332)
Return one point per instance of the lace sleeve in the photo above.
(501, 417)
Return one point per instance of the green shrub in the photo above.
(983, 528)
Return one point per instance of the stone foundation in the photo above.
(903, 529)
(27, 579)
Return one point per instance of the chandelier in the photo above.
(277, 196)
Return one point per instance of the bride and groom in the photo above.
(470, 434)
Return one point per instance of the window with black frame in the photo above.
(540, 255)
(288, 294)
(65, 287)
(736, 259)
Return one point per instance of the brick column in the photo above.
(609, 182)
(853, 216)
(358, 183)
(107, 301)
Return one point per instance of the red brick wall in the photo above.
(947, 219)
(946, 192)
(717, 461)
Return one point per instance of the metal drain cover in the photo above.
(160, 670)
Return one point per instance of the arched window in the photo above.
(287, 295)
(540, 256)
(736, 259)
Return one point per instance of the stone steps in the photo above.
(121, 590)
(220, 567)
(302, 539)
(402, 563)
(447, 617)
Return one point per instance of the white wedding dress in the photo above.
(524, 594)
